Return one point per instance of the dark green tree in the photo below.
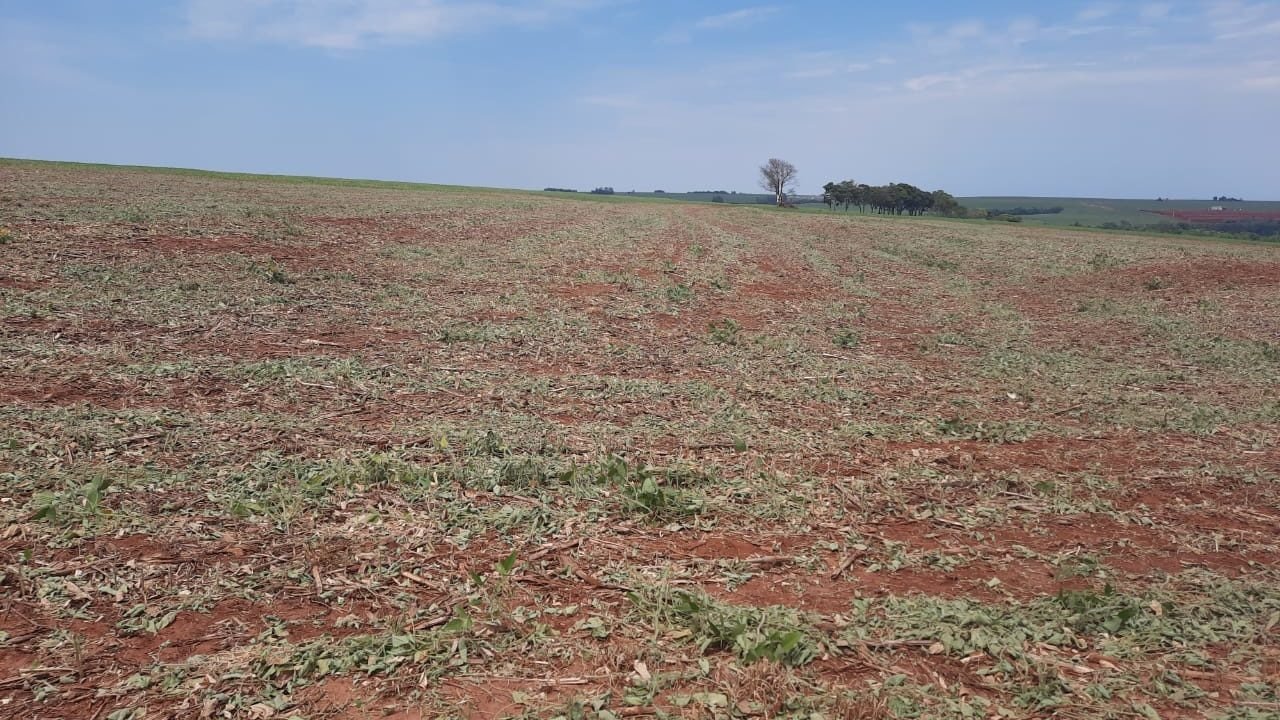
(945, 204)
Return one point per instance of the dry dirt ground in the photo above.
(272, 448)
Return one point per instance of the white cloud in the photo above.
(811, 73)
(976, 35)
(986, 76)
(827, 71)
(1266, 82)
(1023, 30)
(1259, 30)
(1152, 12)
(1095, 12)
(968, 29)
(925, 82)
(348, 24)
(737, 18)
(1232, 19)
(1084, 30)
(615, 102)
(948, 39)
(723, 21)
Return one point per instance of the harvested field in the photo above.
(282, 449)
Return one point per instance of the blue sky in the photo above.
(1108, 99)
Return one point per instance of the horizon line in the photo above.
(426, 183)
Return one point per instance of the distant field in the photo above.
(277, 448)
(728, 198)
(1096, 211)
(1089, 212)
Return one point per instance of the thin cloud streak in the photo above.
(1152, 12)
(353, 24)
(1096, 12)
(737, 18)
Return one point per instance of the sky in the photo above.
(1095, 99)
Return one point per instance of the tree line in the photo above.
(891, 199)
(1053, 210)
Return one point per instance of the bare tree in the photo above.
(775, 176)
